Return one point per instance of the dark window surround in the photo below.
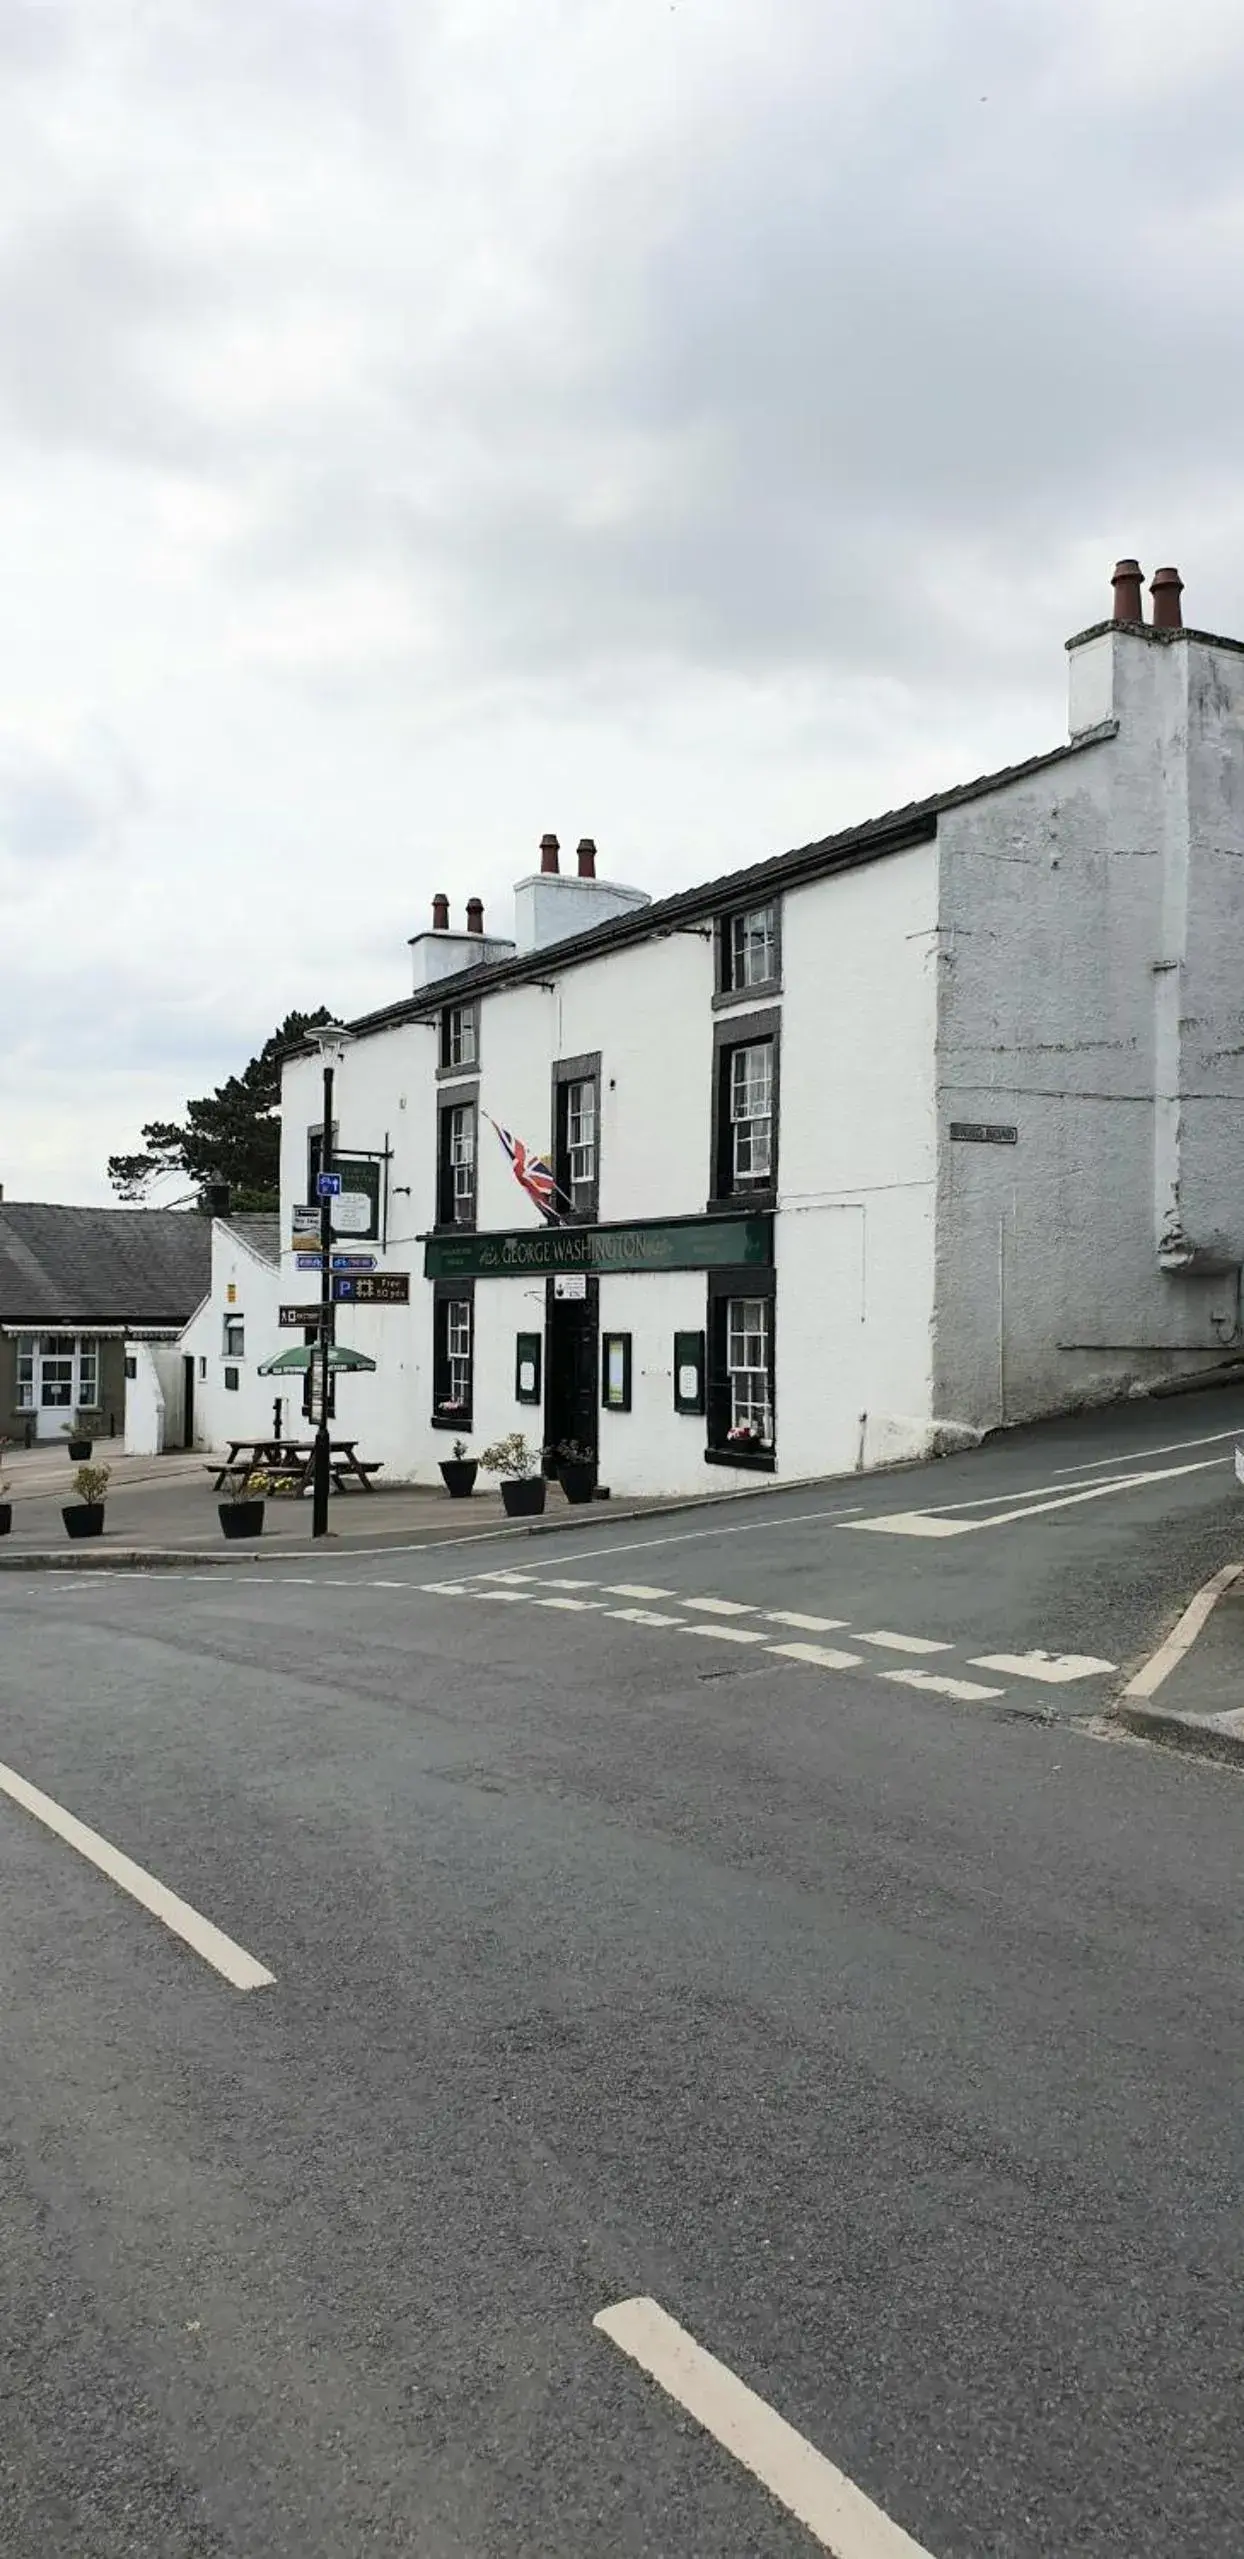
(454, 1097)
(607, 1405)
(468, 1066)
(743, 1030)
(446, 1293)
(723, 1285)
(574, 1070)
(724, 992)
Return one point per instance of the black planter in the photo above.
(459, 1475)
(522, 1495)
(84, 1519)
(6, 1518)
(241, 1519)
(80, 1450)
(578, 1483)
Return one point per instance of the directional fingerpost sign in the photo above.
(328, 1186)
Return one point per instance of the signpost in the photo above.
(328, 1186)
(379, 1288)
(305, 1316)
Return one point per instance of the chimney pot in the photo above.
(587, 857)
(548, 853)
(440, 912)
(1166, 590)
(475, 915)
(1126, 584)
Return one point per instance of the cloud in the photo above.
(696, 427)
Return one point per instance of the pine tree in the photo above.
(232, 1135)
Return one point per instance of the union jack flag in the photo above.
(532, 1172)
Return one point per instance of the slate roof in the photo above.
(86, 1266)
(894, 832)
(263, 1234)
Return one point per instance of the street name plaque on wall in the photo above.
(983, 1133)
(655, 1244)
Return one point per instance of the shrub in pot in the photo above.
(518, 1465)
(458, 1472)
(242, 1510)
(85, 1517)
(576, 1470)
(78, 1434)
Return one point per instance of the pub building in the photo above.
(919, 1129)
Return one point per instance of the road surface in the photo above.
(679, 2037)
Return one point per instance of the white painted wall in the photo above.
(1090, 933)
(222, 1413)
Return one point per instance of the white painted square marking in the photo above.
(643, 1617)
(450, 1590)
(1053, 1667)
(635, 1590)
(968, 1691)
(810, 1625)
(554, 1581)
(727, 1634)
(721, 1607)
(822, 1656)
(394, 1585)
(510, 1598)
(582, 1606)
(903, 1643)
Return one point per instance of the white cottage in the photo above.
(932, 1125)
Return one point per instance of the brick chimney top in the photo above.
(1126, 584)
(475, 915)
(1166, 590)
(440, 912)
(587, 857)
(549, 849)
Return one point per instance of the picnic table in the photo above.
(295, 1459)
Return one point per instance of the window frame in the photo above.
(727, 1290)
(576, 1203)
(24, 1387)
(232, 1323)
(456, 1099)
(731, 987)
(736, 1032)
(467, 1013)
(449, 1297)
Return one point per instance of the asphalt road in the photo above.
(885, 2033)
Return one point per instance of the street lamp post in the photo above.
(330, 1039)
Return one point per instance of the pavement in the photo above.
(740, 2053)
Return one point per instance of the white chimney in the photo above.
(549, 907)
(442, 952)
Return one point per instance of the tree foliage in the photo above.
(232, 1135)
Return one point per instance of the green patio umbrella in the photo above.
(297, 1359)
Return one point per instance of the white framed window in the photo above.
(234, 1344)
(581, 1142)
(751, 959)
(462, 1164)
(458, 1350)
(749, 1365)
(88, 1374)
(459, 1045)
(26, 1373)
(751, 1111)
(56, 1373)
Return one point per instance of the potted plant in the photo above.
(242, 1510)
(78, 1433)
(746, 1436)
(6, 1508)
(459, 1472)
(518, 1465)
(576, 1470)
(85, 1517)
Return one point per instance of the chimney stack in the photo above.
(1166, 590)
(548, 853)
(440, 912)
(1126, 584)
(587, 857)
(475, 915)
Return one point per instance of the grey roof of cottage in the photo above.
(140, 1266)
(895, 832)
(263, 1234)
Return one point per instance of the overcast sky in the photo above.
(427, 422)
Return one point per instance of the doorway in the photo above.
(187, 1401)
(572, 1325)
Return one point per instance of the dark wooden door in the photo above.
(187, 1413)
(571, 1365)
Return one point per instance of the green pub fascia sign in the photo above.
(654, 1244)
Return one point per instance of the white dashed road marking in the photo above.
(904, 1643)
(968, 1691)
(583, 1607)
(821, 1654)
(1054, 1667)
(809, 1625)
(637, 1590)
(836, 2513)
(720, 1607)
(210, 1942)
(728, 1634)
(642, 1617)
